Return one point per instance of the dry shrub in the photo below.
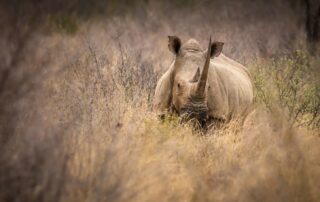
(292, 82)
(119, 151)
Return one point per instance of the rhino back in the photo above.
(230, 92)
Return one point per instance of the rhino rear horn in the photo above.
(196, 76)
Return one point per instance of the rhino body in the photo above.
(222, 91)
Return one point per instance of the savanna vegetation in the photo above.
(76, 88)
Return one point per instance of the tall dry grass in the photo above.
(77, 124)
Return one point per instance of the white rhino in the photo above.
(205, 85)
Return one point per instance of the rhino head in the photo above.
(189, 77)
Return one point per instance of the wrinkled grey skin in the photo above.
(203, 84)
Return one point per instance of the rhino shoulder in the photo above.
(162, 96)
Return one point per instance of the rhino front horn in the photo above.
(201, 86)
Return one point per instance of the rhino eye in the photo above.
(178, 85)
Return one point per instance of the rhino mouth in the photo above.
(199, 117)
(195, 111)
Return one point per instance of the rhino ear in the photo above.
(216, 49)
(174, 44)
